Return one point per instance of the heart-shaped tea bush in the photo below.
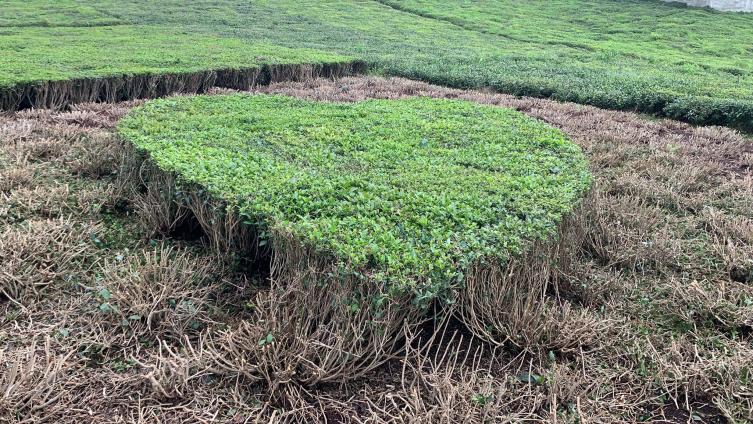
(411, 193)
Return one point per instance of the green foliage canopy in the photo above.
(411, 192)
(64, 53)
(692, 64)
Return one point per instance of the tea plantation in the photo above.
(692, 64)
(31, 54)
(408, 192)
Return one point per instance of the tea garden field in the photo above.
(375, 211)
(684, 63)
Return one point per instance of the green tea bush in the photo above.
(52, 67)
(410, 193)
(58, 13)
(710, 111)
(644, 55)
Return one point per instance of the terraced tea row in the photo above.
(645, 55)
(53, 67)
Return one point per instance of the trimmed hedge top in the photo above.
(411, 191)
(32, 55)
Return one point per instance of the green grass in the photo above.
(411, 192)
(686, 63)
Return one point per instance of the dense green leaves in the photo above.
(410, 191)
(51, 54)
(693, 64)
(47, 13)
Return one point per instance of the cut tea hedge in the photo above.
(52, 67)
(45, 13)
(410, 192)
(692, 64)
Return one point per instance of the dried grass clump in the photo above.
(42, 252)
(96, 155)
(14, 178)
(723, 305)
(307, 331)
(464, 382)
(57, 200)
(31, 382)
(624, 232)
(457, 387)
(17, 130)
(164, 292)
(733, 236)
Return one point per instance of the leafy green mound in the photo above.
(32, 55)
(410, 192)
(691, 64)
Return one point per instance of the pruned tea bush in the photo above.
(52, 68)
(410, 193)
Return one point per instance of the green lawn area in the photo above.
(685, 63)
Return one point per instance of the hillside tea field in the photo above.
(413, 192)
(44, 13)
(690, 64)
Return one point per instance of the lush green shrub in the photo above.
(57, 13)
(710, 111)
(409, 192)
(53, 54)
(48, 67)
(620, 54)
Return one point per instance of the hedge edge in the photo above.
(501, 303)
(59, 94)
